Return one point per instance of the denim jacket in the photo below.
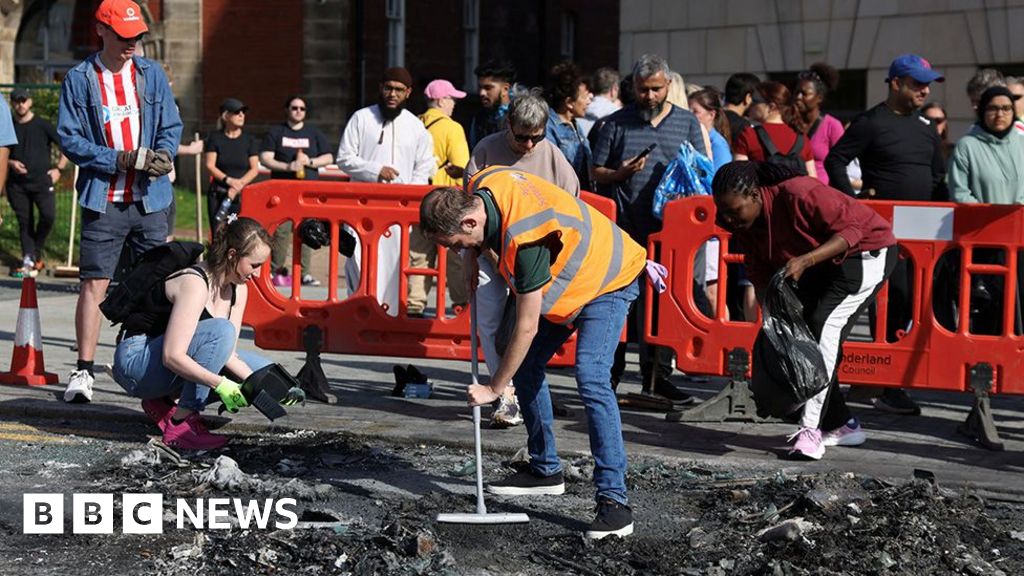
(80, 127)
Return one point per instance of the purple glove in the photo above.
(656, 274)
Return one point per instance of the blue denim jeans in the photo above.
(599, 326)
(140, 370)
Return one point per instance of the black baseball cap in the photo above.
(232, 105)
(20, 94)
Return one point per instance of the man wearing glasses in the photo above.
(118, 123)
(32, 179)
(293, 150)
(522, 146)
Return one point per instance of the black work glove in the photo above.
(314, 233)
(159, 164)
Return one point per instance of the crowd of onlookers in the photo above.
(534, 260)
(606, 133)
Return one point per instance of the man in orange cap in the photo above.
(118, 122)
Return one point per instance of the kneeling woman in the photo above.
(184, 354)
(837, 249)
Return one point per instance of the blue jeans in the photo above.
(599, 325)
(140, 370)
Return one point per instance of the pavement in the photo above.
(897, 445)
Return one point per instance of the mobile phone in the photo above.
(643, 153)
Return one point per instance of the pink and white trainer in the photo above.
(808, 445)
(849, 434)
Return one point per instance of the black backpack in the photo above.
(151, 267)
(791, 159)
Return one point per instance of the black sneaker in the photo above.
(613, 519)
(666, 389)
(896, 401)
(527, 483)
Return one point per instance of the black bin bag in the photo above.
(788, 368)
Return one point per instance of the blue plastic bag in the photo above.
(688, 174)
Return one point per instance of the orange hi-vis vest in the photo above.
(592, 256)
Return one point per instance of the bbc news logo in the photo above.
(144, 513)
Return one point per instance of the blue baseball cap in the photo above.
(914, 66)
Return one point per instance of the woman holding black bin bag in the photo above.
(838, 253)
(232, 159)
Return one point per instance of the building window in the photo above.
(471, 42)
(568, 44)
(395, 13)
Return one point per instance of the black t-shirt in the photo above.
(285, 144)
(900, 156)
(33, 149)
(232, 153)
(736, 125)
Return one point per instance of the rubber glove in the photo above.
(656, 274)
(231, 395)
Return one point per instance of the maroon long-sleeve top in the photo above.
(800, 214)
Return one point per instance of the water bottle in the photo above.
(222, 212)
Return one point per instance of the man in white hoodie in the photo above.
(386, 143)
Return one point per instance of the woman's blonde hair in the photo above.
(677, 91)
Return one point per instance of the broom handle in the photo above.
(474, 366)
(199, 196)
(74, 207)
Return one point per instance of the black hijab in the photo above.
(986, 99)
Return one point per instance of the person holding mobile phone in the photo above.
(628, 175)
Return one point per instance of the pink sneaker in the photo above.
(808, 445)
(159, 411)
(849, 434)
(281, 280)
(191, 434)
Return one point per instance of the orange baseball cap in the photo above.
(123, 16)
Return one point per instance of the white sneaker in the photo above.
(79, 388)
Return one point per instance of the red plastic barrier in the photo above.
(358, 324)
(928, 356)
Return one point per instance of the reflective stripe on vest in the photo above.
(561, 302)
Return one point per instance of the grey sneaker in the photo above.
(507, 414)
(308, 280)
(79, 388)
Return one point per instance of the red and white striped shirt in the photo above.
(122, 125)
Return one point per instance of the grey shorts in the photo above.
(105, 234)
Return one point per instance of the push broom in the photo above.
(481, 516)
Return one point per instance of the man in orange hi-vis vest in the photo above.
(571, 269)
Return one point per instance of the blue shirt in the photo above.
(720, 149)
(623, 135)
(7, 137)
(569, 138)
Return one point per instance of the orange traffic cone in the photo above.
(27, 358)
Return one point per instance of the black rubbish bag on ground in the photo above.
(788, 367)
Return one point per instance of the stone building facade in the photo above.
(707, 41)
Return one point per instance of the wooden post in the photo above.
(69, 269)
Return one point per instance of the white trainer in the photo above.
(79, 388)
